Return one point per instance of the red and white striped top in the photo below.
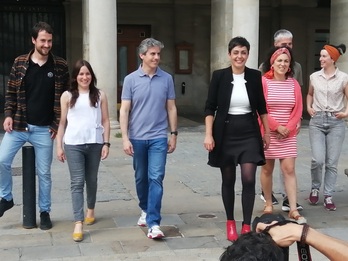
(281, 100)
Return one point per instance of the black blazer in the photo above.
(218, 103)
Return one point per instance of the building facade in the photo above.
(195, 34)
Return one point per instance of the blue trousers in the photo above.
(40, 138)
(149, 162)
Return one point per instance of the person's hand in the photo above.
(172, 143)
(340, 115)
(8, 122)
(266, 141)
(61, 155)
(298, 127)
(128, 148)
(311, 112)
(284, 235)
(280, 137)
(283, 131)
(104, 152)
(53, 134)
(209, 142)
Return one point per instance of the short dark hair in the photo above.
(238, 41)
(253, 246)
(266, 66)
(41, 26)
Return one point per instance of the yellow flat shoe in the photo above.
(89, 221)
(77, 237)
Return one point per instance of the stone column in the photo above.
(230, 19)
(339, 29)
(246, 24)
(100, 48)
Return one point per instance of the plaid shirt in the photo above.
(15, 99)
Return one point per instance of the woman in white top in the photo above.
(327, 92)
(232, 134)
(85, 126)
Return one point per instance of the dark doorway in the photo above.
(128, 40)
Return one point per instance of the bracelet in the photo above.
(107, 144)
(304, 234)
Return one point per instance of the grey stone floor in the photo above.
(193, 215)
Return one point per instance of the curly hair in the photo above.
(253, 246)
(94, 93)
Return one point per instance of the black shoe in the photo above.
(286, 206)
(274, 200)
(45, 221)
(5, 205)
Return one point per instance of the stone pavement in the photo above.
(193, 216)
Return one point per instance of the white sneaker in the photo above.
(142, 219)
(155, 232)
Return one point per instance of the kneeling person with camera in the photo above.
(271, 237)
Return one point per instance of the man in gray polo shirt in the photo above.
(147, 106)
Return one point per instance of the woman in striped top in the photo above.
(284, 106)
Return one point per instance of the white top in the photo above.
(239, 103)
(329, 92)
(84, 122)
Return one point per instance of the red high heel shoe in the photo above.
(231, 230)
(245, 229)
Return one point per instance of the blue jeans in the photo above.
(326, 135)
(40, 138)
(149, 162)
(83, 161)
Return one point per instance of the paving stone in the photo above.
(49, 252)
(192, 242)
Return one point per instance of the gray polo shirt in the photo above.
(148, 118)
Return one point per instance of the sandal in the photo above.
(295, 216)
(78, 236)
(89, 221)
(268, 209)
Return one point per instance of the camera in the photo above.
(303, 250)
(268, 219)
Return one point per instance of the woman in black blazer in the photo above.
(235, 101)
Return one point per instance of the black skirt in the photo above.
(242, 141)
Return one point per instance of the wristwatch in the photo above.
(107, 144)
(174, 133)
